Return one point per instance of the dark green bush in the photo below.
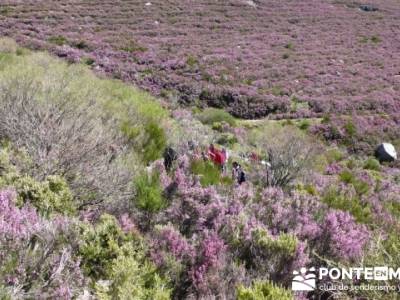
(211, 115)
(149, 193)
(304, 125)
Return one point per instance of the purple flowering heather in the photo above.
(333, 169)
(252, 58)
(345, 238)
(16, 223)
(52, 258)
(211, 259)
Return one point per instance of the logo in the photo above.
(304, 280)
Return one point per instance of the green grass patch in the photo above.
(209, 173)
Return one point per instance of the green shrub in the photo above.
(334, 155)
(311, 189)
(284, 245)
(211, 115)
(362, 212)
(50, 196)
(149, 193)
(361, 187)
(209, 173)
(217, 126)
(372, 164)
(350, 129)
(304, 125)
(263, 290)
(132, 279)
(394, 208)
(88, 61)
(154, 143)
(58, 40)
(375, 39)
(347, 177)
(81, 44)
(227, 139)
(102, 243)
(117, 263)
(351, 164)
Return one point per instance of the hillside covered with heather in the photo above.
(251, 58)
(155, 150)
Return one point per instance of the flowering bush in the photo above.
(37, 255)
(345, 239)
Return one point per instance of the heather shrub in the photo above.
(30, 246)
(149, 193)
(263, 290)
(208, 172)
(344, 238)
(210, 116)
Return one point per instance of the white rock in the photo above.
(386, 152)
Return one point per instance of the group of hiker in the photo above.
(213, 154)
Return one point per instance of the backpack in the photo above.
(241, 177)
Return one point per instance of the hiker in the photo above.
(212, 152)
(216, 156)
(238, 173)
(170, 156)
(225, 157)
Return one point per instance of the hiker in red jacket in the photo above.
(216, 156)
(212, 152)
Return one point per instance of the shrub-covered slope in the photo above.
(252, 58)
(87, 208)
